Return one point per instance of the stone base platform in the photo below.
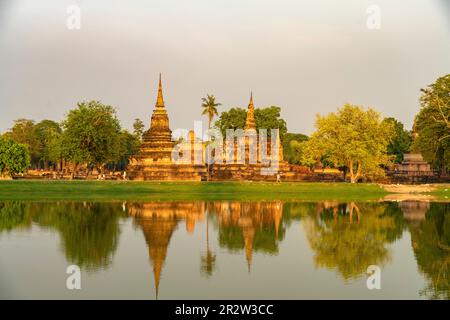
(167, 172)
(250, 172)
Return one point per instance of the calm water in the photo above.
(225, 249)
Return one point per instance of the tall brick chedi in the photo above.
(157, 142)
(155, 158)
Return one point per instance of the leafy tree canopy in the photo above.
(432, 124)
(351, 137)
(14, 157)
(91, 134)
(209, 106)
(292, 147)
(138, 128)
(401, 140)
(24, 132)
(265, 118)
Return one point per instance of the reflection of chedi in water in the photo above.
(159, 220)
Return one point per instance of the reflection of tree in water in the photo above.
(12, 216)
(350, 237)
(89, 231)
(431, 245)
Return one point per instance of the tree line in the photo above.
(356, 140)
(90, 137)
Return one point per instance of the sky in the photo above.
(306, 57)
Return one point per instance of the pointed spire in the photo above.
(160, 100)
(157, 275)
(250, 121)
(250, 104)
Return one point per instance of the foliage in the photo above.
(231, 119)
(209, 106)
(401, 140)
(127, 146)
(265, 118)
(292, 147)
(48, 133)
(138, 128)
(432, 124)
(24, 132)
(14, 157)
(352, 138)
(91, 133)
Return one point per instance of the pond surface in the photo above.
(225, 249)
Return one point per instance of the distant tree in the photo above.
(91, 133)
(265, 118)
(47, 133)
(138, 128)
(231, 119)
(432, 124)
(24, 132)
(270, 118)
(401, 140)
(292, 147)
(352, 137)
(209, 106)
(14, 157)
(127, 146)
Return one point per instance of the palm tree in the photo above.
(210, 105)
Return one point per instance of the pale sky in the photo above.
(307, 57)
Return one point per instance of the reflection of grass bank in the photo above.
(442, 192)
(418, 192)
(133, 190)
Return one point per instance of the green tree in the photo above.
(432, 124)
(14, 157)
(401, 140)
(351, 138)
(48, 132)
(270, 118)
(91, 134)
(24, 132)
(209, 106)
(127, 146)
(265, 118)
(138, 128)
(292, 147)
(231, 119)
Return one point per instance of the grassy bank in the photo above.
(133, 190)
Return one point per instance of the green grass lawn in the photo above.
(133, 190)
